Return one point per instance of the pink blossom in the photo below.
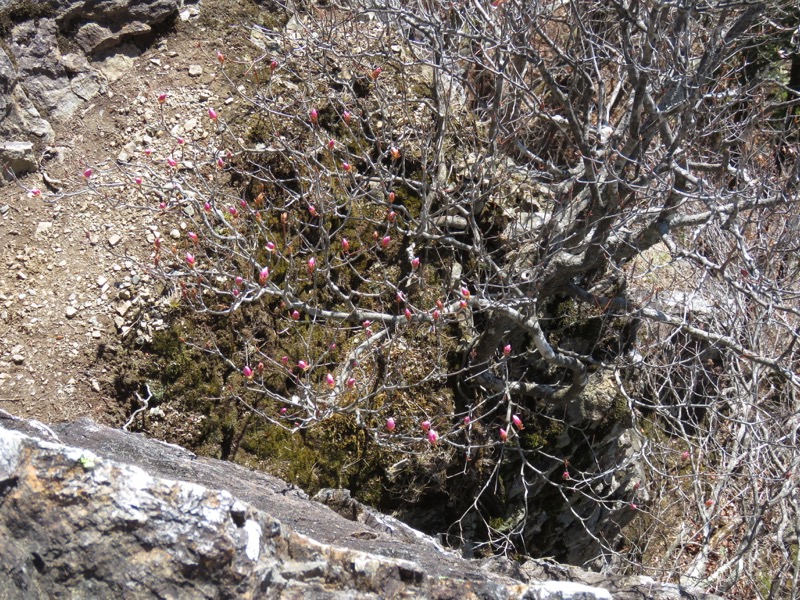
(346, 116)
(376, 73)
(273, 65)
(507, 350)
(503, 434)
(283, 410)
(190, 259)
(517, 422)
(247, 372)
(207, 207)
(467, 420)
(162, 97)
(192, 236)
(162, 205)
(235, 292)
(212, 114)
(685, 455)
(436, 314)
(345, 245)
(172, 162)
(386, 241)
(303, 365)
(312, 210)
(391, 216)
(181, 141)
(87, 173)
(433, 436)
(390, 424)
(285, 360)
(238, 280)
(366, 324)
(565, 475)
(312, 264)
(331, 144)
(407, 312)
(426, 425)
(346, 166)
(465, 293)
(264, 275)
(415, 263)
(220, 57)
(395, 152)
(36, 192)
(137, 180)
(439, 304)
(271, 246)
(242, 202)
(351, 382)
(313, 116)
(260, 367)
(220, 163)
(295, 315)
(233, 211)
(633, 506)
(709, 503)
(330, 380)
(462, 304)
(148, 151)
(391, 197)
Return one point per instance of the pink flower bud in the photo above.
(238, 280)
(247, 372)
(709, 503)
(351, 382)
(395, 152)
(263, 275)
(415, 263)
(260, 367)
(148, 151)
(506, 349)
(162, 98)
(426, 425)
(346, 116)
(366, 324)
(376, 73)
(220, 57)
(181, 141)
(312, 210)
(172, 162)
(391, 216)
(190, 259)
(390, 424)
(235, 292)
(212, 114)
(436, 314)
(633, 506)
(407, 312)
(685, 455)
(517, 422)
(270, 247)
(295, 315)
(283, 410)
(137, 180)
(285, 360)
(192, 236)
(313, 116)
(503, 434)
(331, 144)
(312, 264)
(462, 304)
(207, 207)
(433, 436)
(401, 297)
(386, 241)
(303, 365)
(330, 380)
(242, 202)
(87, 173)
(36, 192)
(345, 245)
(273, 65)
(565, 475)
(162, 205)
(157, 243)
(391, 197)
(346, 166)
(465, 293)
(467, 420)
(220, 163)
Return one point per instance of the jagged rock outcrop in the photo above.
(89, 511)
(40, 82)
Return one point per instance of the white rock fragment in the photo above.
(195, 70)
(114, 240)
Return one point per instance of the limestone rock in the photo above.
(17, 157)
(89, 511)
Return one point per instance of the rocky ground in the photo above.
(74, 282)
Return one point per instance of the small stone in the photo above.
(119, 322)
(18, 359)
(122, 308)
(95, 383)
(21, 276)
(195, 70)
(228, 101)
(175, 234)
(102, 280)
(156, 61)
(189, 125)
(124, 295)
(96, 335)
(114, 240)
(43, 227)
(71, 312)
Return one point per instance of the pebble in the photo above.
(102, 280)
(71, 312)
(18, 359)
(43, 227)
(195, 70)
(175, 234)
(114, 240)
